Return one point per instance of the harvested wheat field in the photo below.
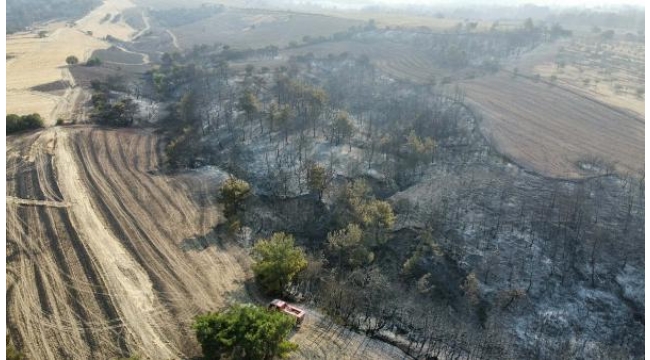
(106, 258)
(552, 130)
(36, 61)
(107, 20)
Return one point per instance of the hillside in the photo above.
(21, 14)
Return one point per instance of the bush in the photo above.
(71, 60)
(17, 123)
(244, 332)
(94, 61)
(60, 122)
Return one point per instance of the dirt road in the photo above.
(107, 258)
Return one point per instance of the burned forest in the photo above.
(228, 180)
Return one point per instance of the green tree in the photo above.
(122, 113)
(233, 193)
(93, 61)
(186, 109)
(17, 123)
(348, 246)
(375, 216)
(316, 179)
(244, 332)
(342, 128)
(418, 150)
(72, 60)
(277, 261)
(379, 218)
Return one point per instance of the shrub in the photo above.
(72, 60)
(94, 61)
(17, 123)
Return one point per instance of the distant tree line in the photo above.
(22, 13)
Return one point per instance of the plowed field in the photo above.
(551, 129)
(108, 258)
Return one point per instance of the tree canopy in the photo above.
(316, 179)
(17, 123)
(278, 260)
(244, 332)
(348, 246)
(233, 193)
(342, 128)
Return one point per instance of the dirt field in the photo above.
(611, 72)
(37, 61)
(257, 28)
(108, 258)
(550, 129)
(397, 60)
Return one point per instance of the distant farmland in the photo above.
(551, 130)
(256, 28)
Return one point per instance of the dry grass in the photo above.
(92, 21)
(611, 72)
(395, 19)
(38, 61)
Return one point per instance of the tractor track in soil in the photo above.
(101, 255)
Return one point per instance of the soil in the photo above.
(108, 257)
(551, 130)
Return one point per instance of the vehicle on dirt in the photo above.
(279, 305)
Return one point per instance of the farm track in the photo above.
(106, 259)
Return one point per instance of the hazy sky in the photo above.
(593, 3)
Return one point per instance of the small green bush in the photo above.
(94, 61)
